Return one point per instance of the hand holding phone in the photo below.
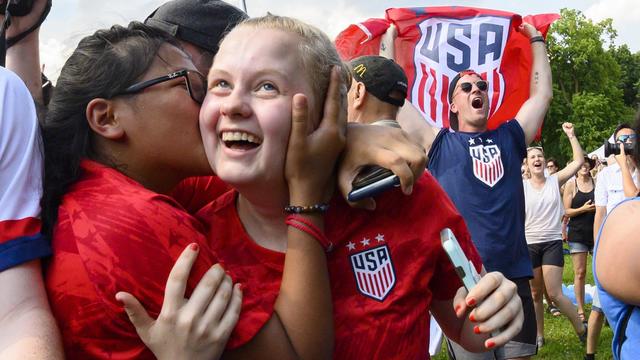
(371, 182)
(463, 266)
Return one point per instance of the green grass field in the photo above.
(561, 341)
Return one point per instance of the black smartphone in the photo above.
(371, 182)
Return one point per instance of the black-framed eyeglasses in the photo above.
(467, 86)
(196, 84)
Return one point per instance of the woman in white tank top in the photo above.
(543, 230)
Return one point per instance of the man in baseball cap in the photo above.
(198, 24)
(378, 89)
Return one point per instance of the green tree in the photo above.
(630, 74)
(587, 85)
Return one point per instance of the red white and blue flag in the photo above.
(435, 43)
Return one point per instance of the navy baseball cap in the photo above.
(200, 22)
(381, 77)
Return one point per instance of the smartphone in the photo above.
(463, 266)
(465, 270)
(371, 182)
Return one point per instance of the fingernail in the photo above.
(194, 247)
(472, 318)
(490, 344)
(471, 302)
(457, 309)
(476, 329)
(241, 286)
(409, 190)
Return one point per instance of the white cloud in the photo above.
(53, 54)
(621, 10)
(625, 15)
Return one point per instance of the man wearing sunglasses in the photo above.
(480, 171)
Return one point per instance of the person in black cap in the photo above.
(199, 25)
(378, 89)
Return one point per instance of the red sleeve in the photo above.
(195, 192)
(98, 253)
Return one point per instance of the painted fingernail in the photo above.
(472, 318)
(457, 309)
(241, 286)
(490, 344)
(471, 302)
(194, 247)
(476, 329)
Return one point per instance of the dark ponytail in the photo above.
(102, 65)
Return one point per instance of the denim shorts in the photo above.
(577, 247)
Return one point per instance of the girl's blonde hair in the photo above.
(318, 55)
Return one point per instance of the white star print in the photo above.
(380, 238)
(490, 141)
(351, 246)
(364, 242)
(472, 141)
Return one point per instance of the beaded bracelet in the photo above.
(536, 39)
(302, 224)
(316, 208)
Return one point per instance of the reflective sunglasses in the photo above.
(196, 84)
(467, 86)
(626, 138)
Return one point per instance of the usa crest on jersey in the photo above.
(486, 161)
(374, 271)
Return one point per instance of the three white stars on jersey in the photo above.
(472, 141)
(365, 242)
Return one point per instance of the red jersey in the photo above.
(114, 235)
(196, 192)
(385, 269)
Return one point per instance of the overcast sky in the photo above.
(70, 20)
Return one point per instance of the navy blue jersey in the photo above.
(481, 174)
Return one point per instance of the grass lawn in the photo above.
(561, 341)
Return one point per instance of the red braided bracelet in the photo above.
(308, 227)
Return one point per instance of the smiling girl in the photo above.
(387, 267)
